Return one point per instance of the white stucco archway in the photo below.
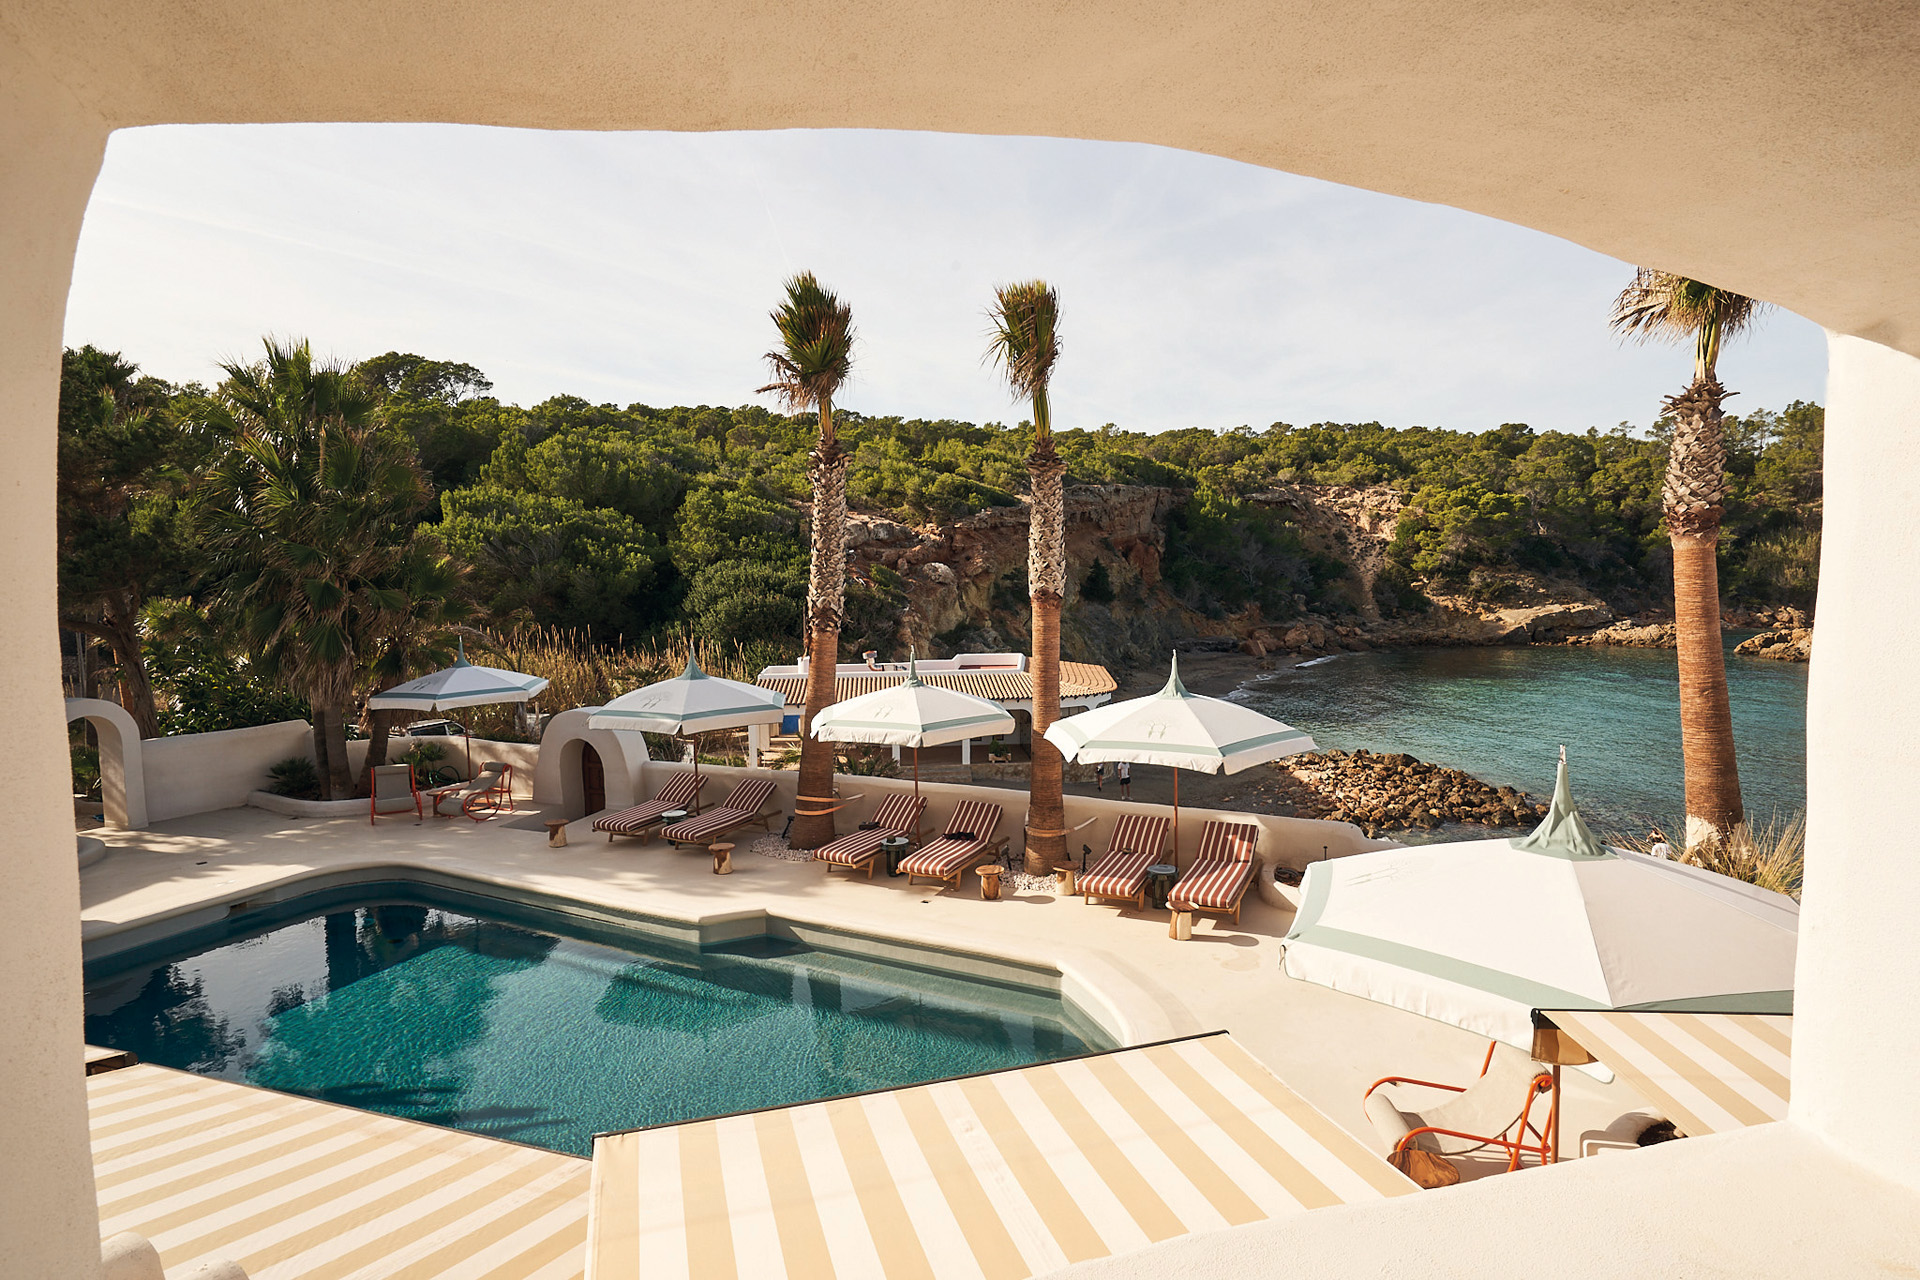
(1765, 145)
(556, 777)
(123, 777)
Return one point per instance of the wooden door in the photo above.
(593, 779)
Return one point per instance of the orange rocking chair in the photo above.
(1498, 1110)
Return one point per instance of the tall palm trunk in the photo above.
(1046, 579)
(826, 593)
(1695, 491)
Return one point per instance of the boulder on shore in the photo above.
(1396, 792)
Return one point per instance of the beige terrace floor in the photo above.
(1120, 965)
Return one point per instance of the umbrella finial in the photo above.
(913, 669)
(1174, 689)
(693, 671)
(462, 642)
(1562, 832)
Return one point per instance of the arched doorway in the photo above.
(593, 779)
(123, 784)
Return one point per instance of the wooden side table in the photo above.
(1180, 928)
(989, 881)
(1065, 874)
(556, 833)
(722, 859)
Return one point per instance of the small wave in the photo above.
(1314, 662)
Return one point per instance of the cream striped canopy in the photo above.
(1004, 1175)
(1706, 1072)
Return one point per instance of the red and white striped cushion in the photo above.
(1227, 842)
(854, 848)
(677, 794)
(1140, 833)
(1118, 875)
(898, 815)
(1211, 884)
(946, 857)
(750, 795)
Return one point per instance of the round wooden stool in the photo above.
(1180, 928)
(989, 881)
(722, 859)
(1065, 874)
(556, 833)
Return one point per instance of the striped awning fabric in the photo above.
(292, 1188)
(1706, 1072)
(1004, 1175)
(1077, 680)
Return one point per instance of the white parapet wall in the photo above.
(199, 772)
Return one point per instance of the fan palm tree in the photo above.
(416, 637)
(1661, 305)
(1025, 344)
(306, 516)
(814, 358)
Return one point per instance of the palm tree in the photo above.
(813, 360)
(306, 516)
(1025, 344)
(417, 636)
(1659, 304)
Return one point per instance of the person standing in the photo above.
(1123, 774)
(1099, 777)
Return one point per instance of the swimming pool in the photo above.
(523, 1022)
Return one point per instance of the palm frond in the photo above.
(815, 356)
(1660, 305)
(1025, 341)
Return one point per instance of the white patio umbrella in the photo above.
(460, 685)
(690, 704)
(1479, 933)
(912, 714)
(1180, 730)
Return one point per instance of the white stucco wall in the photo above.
(200, 772)
(1857, 1000)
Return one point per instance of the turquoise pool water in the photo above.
(1502, 713)
(416, 1003)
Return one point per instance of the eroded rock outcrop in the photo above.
(1394, 792)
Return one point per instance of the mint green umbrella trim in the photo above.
(1186, 748)
(1536, 995)
(836, 722)
(1767, 1002)
(1562, 833)
(772, 711)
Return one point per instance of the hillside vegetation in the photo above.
(634, 525)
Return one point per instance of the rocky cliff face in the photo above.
(966, 586)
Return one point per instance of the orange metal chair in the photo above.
(1481, 1104)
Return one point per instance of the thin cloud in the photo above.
(629, 268)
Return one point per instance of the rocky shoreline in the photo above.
(1397, 792)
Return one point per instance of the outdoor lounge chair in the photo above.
(1139, 840)
(681, 791)
(898, 815)
(743, 807)
(969, 838)
(394, 792)
(1508, 1110)
(479, 796)
(1222, 870)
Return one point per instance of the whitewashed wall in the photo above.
(199, 772)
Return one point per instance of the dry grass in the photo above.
(582, 674)
(1770, 856)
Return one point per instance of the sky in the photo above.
(640, 267)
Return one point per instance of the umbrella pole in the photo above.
(916, 771)
(1176, 817)
(468, 735)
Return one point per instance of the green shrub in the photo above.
(86, 769)
(1098, 586)
(295, 777)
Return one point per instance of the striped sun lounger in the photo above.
(968, 839)
(746, 805)
(1221, 870)
(682, 791)
(1137, 843)
(898, 815)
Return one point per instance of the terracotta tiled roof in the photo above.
(1077, 680)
